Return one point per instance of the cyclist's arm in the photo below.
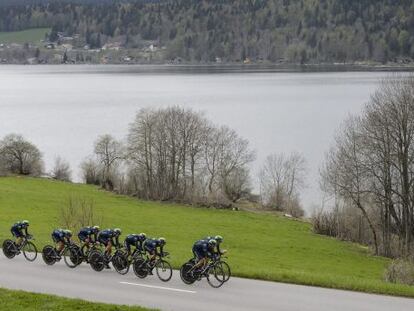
(26, 231)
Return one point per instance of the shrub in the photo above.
(78, 212)
(400, 271)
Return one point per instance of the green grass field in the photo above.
(29, 36)
(260, 246)
(22, 301)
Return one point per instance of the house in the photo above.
(32, 61)
(67, 47)
(114, 46)
(127, 59)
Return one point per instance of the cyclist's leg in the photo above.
(108, 249)
(127, 246)
(200, 258)
(18, 235)
(60, 246)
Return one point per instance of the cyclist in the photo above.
(61, 237)
(154, 247)
(20, 230)
(88, 235)
(204, 250)
(109, 238)
(136, 240)
(219, 240)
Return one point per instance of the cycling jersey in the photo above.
(59, 235)
(108, 235)
(151, 245)
(208, 238)
(17, 230)
(201, 249)
(134, 240)
(88, 233)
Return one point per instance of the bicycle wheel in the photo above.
(140, 268)
(30, 251)
(186, 277)
(96, 261)
(71, 257)
(164, 270)
(49, 255)
(9, 249)
(120, 263)
(226, 269)
(215, 276)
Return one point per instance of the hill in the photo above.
(260, 246)
(276, 31)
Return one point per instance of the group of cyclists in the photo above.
(204, 250)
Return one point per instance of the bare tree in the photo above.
(170, 149)
(281, 180)
(61, 170)
(18, 156)
(225, 152)
(237, 184)
(90, 172)
(109, 152)
(372, 165)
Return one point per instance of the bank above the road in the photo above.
(260, 246)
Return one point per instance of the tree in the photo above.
(281, 180)
(371, 167)
(20, 156)
(61, 170)
(404, 41)
(176, 154)
(237, 184)
(90, 172)
(109, 153)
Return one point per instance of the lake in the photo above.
(62, 109)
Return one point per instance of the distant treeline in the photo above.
(303, 31)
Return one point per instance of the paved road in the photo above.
(238, 294)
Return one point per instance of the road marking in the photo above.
(161, 287)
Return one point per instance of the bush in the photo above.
(324, 223)
(400, 271)
(61, 170)
(78, 212)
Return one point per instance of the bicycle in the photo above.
(224, 266)
(29, 249)
(99, 260)
(87, 249)
(122, 260)
(71, 254)
(144, 266)
(213, 272)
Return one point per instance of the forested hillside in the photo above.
(302, 31)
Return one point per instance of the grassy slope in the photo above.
(22, 301)
(29, 36)
(260, 246)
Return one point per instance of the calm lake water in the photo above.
(62, 109)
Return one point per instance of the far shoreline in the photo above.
(232, 67)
